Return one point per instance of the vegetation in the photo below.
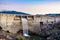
(0, 28)
(20, 37)
(7, 31)
(52, 33)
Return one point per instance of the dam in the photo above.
(13, 22)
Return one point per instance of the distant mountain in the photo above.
(14, 12)
(53, 14)
(40, 14)
(48, 15)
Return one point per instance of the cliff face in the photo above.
(13, 22)
(8, 23)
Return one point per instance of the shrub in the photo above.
(7, 31)
(0, 28)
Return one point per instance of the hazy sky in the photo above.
(31, 6)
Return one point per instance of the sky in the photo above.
(31, 6)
